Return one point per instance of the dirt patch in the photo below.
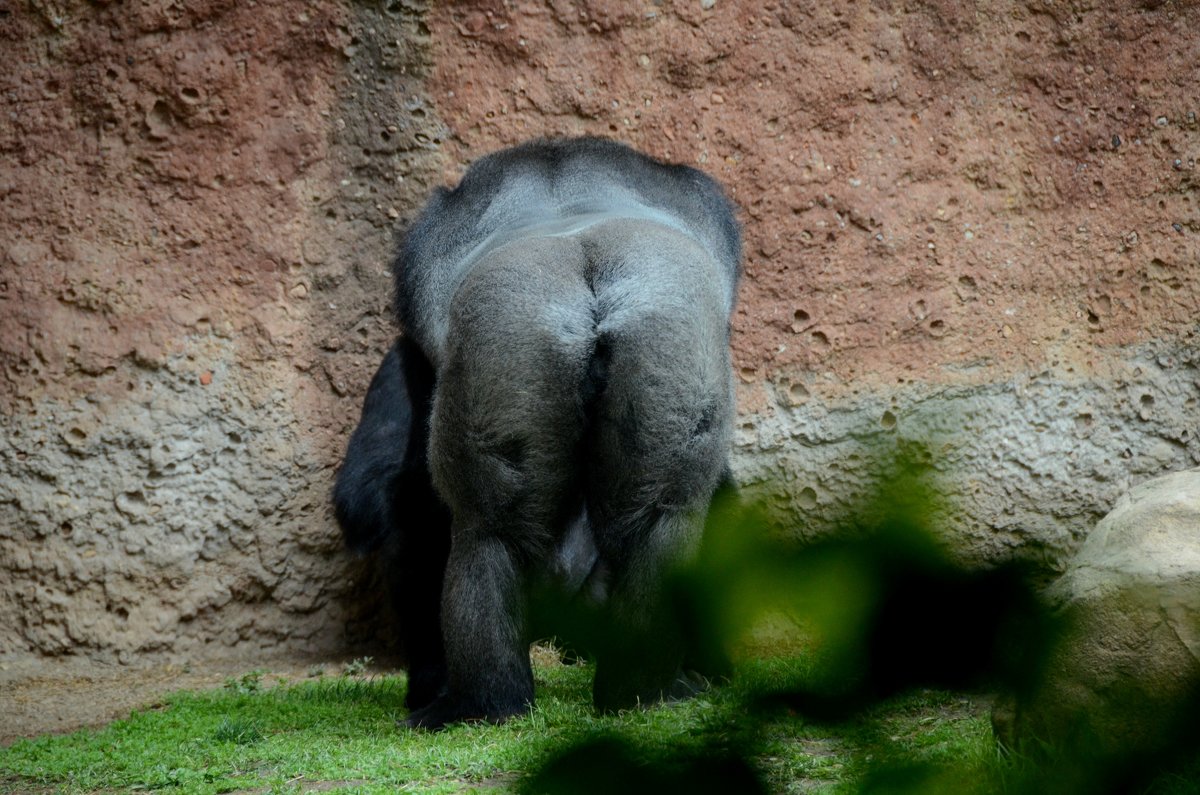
(65, 694)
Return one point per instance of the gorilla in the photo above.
(557, 414)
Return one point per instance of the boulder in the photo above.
(1121, 685)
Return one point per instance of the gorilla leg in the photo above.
(384, 501)
(657, 451)
(414, 568)
(507, 423)
(489, 673)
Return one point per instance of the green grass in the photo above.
(339, 735)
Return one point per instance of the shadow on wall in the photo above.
(887, 611)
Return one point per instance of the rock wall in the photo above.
(969, 224)
(198, 205)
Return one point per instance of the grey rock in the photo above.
(1024, 466)
(1124, 680)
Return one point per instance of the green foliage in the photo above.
(882, 611)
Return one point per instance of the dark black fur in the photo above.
(385, 503)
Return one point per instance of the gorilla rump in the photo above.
(558, 411)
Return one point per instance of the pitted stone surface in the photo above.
(971, 227)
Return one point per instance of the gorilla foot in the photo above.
(446, 709)
(609, 698)
(424, 685)
(687, 685)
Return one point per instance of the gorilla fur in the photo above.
(558, 411)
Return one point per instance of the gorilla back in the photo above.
(573, 298)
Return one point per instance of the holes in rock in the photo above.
(66, 527)
(800, 320)
(132, 503)
(190, 95)
(888, 420)
(821, 339)
(807, 498)
(158, 120)
(937, 328)
(1146, 404)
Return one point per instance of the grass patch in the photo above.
(339, 735)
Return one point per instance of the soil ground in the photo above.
(57, 696)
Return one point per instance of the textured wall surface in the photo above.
(969, 224)
(973, 224)
(198, 204)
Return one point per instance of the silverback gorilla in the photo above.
(557, 411)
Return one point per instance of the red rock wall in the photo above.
(972, 224)
(198, 205)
